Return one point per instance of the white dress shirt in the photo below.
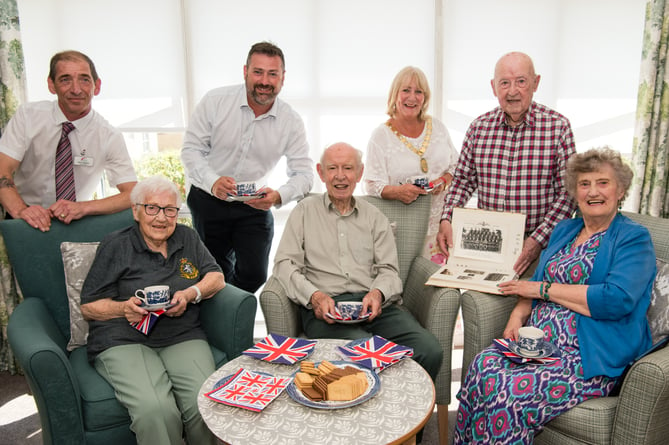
(225, 138)
(32, 136)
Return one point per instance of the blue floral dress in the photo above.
(502, 402)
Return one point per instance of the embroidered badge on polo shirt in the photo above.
(187, 269)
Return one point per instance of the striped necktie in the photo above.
(64, 166)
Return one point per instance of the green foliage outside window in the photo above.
(168, 164)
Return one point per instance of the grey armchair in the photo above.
(638, 415)
(435, 308)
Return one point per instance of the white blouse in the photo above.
(390, 162)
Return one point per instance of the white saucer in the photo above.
(546, 349)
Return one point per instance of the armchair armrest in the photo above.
(39, 347)
(436, 309)
(282, 316)
(643, 403)
(484, 317)
(228, 319)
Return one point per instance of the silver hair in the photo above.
(151, 186)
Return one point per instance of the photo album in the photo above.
(486, 245)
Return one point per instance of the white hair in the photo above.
(151, 186)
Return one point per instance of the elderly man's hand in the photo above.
(322, 304)
(372, 303)
(445, 236)
(531, 251)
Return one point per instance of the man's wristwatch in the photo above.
(198, 297)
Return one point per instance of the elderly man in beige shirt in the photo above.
(336, 248)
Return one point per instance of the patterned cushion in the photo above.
(77, 260)
(658, 312)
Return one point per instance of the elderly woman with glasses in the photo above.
(155, 375)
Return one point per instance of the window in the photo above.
(158, 57)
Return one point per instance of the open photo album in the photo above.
(486, 245)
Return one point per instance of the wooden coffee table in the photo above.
(402, 406)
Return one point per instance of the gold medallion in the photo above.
(409, 145)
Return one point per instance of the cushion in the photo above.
(658, 311)
(77, 260)
(101, 410)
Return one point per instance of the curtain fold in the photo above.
(12, 94)
(12, 68)
(650, 153)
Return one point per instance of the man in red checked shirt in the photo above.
(515, 157)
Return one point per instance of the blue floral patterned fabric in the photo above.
(503, 402)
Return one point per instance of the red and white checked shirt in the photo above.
(516, 169)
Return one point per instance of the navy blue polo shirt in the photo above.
(123, 263)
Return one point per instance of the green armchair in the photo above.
(76, 405)
(638, 415)
(435, 308)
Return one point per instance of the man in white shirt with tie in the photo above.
(30, 178)
(238, 134)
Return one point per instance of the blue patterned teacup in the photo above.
(154, 295)
(349, 310)
(529, 340)
(246, 188)
(419, 181)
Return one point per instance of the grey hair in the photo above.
(152, 186)
(592, 160)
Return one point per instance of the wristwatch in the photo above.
(198, 297)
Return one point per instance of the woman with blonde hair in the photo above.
(411, 144)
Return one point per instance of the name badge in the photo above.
(83, 160)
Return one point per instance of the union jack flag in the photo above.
(276, 348)
(146, 323)
(376, 353)
(249, 390)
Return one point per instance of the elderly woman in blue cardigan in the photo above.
(589, 294)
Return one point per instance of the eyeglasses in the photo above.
(152, 210)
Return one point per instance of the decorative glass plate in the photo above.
(374, 384)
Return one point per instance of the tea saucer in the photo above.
(546, 349)
(156, 307)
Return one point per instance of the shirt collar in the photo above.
(245, 104)
(174, 243)
(59, 117)
(500, 117)
(330, 207)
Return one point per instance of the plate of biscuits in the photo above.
(332, 385)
